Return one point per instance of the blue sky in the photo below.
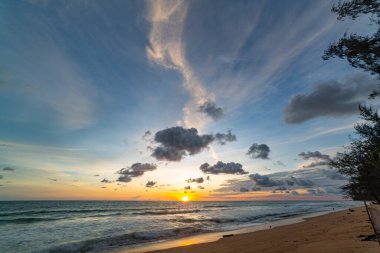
(82, 81)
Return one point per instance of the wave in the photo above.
(26, 220)
(108, 243)
(166, 212)
(235, 220)
(80, 211)
(220, 206)
(67, 211)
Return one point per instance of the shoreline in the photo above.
(215, 236)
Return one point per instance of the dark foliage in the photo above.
(361, 160)
(360, 51)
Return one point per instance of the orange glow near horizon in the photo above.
(23, 190)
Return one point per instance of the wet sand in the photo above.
(337, 232)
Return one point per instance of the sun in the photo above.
(185, 198)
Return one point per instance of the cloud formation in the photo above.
(224, 138)
(259, 151)
(307, 183)
(313, 181)
(198, 180)
(314, 155)
(255, 189)
(106, 181)
(9, 169)
(168, 154)
(265, 181)
(150, 184)
(135, 170)
(243, 189)
(330, 99)
(223, 168)
(211, 109)
(177, 142)
(167, 49)
(319, 159)
(316, 164)
(146, 134)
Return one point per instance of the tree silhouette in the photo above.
(360, 51)
(361, 160)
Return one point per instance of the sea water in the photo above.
(96, 226)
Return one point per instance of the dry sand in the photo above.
(337, 232)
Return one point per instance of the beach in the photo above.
(336, 232)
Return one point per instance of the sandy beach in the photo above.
(336, 232)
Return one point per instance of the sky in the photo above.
(154, 100)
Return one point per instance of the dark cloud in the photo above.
(314, 155)
(307, 183)
(136, 170)
(224, 138)
(187, 187)
(168, 154)
(333, 174)
(265, 181)
(294, 192)
(53, 179)
(96, 175)
(316, 192)
(223, 168)
(243, 189)
(330, 99)
(315, 181)
(106, 181)
(201, 187)
(9, 169)
(183, 139)
(259, 151)
(177, 142)
(1, 176)
(150, 184)
(212, 110)
(320, 159)
(124, 179)
(281, 188)
(208, 178)
(147, 134)
(290, 182)
(255, 189)
(198, 180)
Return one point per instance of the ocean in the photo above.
(96, 226)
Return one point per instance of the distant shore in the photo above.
(335, 232)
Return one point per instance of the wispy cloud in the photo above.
(167, 48)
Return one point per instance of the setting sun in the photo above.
(185, 198)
